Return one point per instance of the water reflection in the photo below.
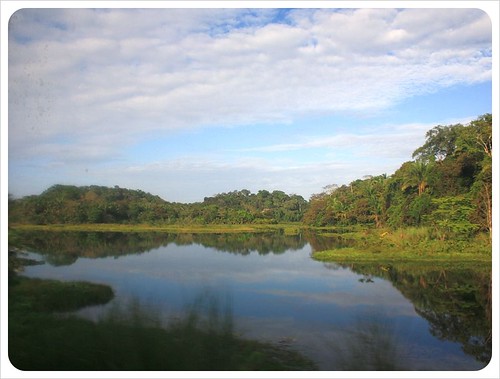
(64, 248)
(456, 303)
(320, 242)
(133, 337)
(342, 316)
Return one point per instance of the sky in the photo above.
(188, 103)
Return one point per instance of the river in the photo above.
(341, 317)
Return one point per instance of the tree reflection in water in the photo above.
(456, 303)
(64, 248)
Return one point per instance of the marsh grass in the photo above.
(131, 338)
(43, 295)
(289, 228)
(370, 345)
(409, 246)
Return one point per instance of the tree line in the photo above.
(67, 204)
(447, 186)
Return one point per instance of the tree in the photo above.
(476, 136)
(317, 210)
(376, 193)
(451, 217)
(483, 128)
(418, 207)
(419, 175)
(440, 143)
(481, 192)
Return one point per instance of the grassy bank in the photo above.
(408, 246)
(43, 295)
(291, 228)
(405, 259)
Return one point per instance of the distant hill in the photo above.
(67, 204)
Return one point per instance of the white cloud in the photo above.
(105, 77)
(397, 141)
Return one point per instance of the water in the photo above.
(344, 318)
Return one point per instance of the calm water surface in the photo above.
(341, 317)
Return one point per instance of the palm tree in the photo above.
(418, 175)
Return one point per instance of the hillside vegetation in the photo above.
(446, 188)
(66, 204)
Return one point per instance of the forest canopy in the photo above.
(447, 186)
(66, 204)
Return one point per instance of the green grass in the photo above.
(408, 246)
(439, 260)
(43, 295)
(291, 228)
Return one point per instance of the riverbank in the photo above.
(408, 246)
(289, 228)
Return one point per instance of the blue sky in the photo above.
(187, 103)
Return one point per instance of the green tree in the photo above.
(476, 136)
(451, 217)
(375, 190)
(418, 207)
(440, 143)
(419, 175)
(482, 199)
